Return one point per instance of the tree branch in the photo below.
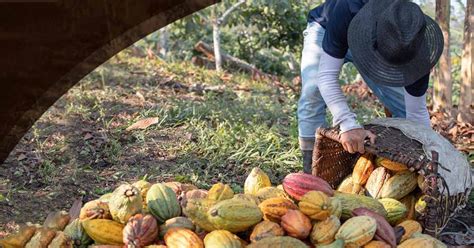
(223, 18)
(206, 20)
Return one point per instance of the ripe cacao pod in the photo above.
(180, 188)
(103, 231)
(57, 220)
(298, 184)
(324, 231)
(362, 170)
(192, 194)
(350, 202)
(410, 227)
(20, 238)
(274, 208)
(266, 229)
(95, 209)
(420, 242)
(221, 239)
(234, 215)
(197, 211)
(256, 180)
(105, 197)
(437, 243)
(77, 234)
(384, 231)
(271, 192)
(125, 202)
(61, 241)
(296, 224)
(346, 185)
(182, 238)
(278, 242)
(182, 222)
(399, 185)
(162, 202)
(43, 236)
(142, 186)
(336, 207)
(357, 231)
(420, 180)
(316, 205)
(339, 243)
(409, 201)
(246, 197)
(395, 210)
(393, 166)
(376, 244)
(140, 231)
(376, 181)
(219, 192)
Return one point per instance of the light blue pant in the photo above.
(311, 106)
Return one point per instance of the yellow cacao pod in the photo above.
(421, 182)
(395, 210)
(271, 192)
(376, 181)
(219, 192)
(221, 239)
(418, 243)
(20, 238)
(357, 231)
(410, 227)
(196, 210)
(399, 185)
(246, 197)
(438, 243)
(266, 229)
(324, 231)
(142, 186)
(256, 180)
(107, 232)
(347, 186)
(376, 244)
(182, 238)
(362, 170)
(393, 166)
(42, 238)
(316, 205)
(274, 208)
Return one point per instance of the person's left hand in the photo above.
(353, 140)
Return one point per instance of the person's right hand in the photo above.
(353, 140)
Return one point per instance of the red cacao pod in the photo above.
(140, 231)
(298, 184)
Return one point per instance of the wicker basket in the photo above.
(332, 163)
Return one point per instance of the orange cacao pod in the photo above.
(296, 224)
(140, 231)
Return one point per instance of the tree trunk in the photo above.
(442, 94)
(466, 113)
(163, 42)
(216, 39)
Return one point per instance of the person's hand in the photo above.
(353, 140)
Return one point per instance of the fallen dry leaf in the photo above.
(139, 95)
(143, 123)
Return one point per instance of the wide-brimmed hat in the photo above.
(393, 43)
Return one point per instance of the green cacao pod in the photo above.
(395, 210)
(350, 202)
(125, 202)
(234, 215)
(162, 202)
(278, 242)
(197, 211)
(77, 234)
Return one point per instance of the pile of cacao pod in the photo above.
(304, 211)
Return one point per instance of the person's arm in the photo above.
(415, 101)
(327, 81)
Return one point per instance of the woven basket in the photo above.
(332, 163)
